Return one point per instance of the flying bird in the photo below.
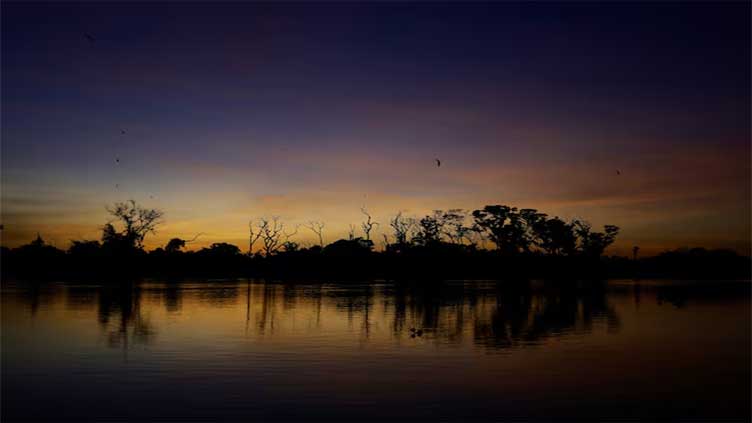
(618, 172)
(117, 160)
(90, 37)
(122, 131)
(438, 163)
(117, 186)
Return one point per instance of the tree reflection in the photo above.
(497, 315)
(492, 315)
(119, 314)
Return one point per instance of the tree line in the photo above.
(489, 242)
(511, 231)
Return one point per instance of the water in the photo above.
(249, 350)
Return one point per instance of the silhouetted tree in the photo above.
(271, 233)
(554, 236)
(443, 241)
(504, 226)
(429, 230)
(254, 235)
(452, 225)
(318, 229)
(287, 245)
(593, 244)
(136, 223)
(174, 245)
(368, 224)
(403, 227)
(530, 219)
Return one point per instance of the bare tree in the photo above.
(317, 228)
(351, 232)
(254, 235)
(368, 224)
(271, 231)
(137, 222)
(291, 234)
(290, 245)
(402, 227)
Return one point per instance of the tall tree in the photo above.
(271, 235)
(555, 236)
(135, 223)
(368, 224)
(402, 227)
(452, 224)
(254, 233)
(593, 244)
(317, 228)
(429, 230)
(504, 226)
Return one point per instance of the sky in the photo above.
(237, 111)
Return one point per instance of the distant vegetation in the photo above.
(494, 242)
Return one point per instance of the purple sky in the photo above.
(309, 112)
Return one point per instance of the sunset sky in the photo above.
(308, 112)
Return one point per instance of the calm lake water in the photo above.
(245, 350)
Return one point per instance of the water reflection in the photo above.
(495, 315)
(383, 347)
(492, 315)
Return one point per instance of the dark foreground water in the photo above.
(488, 351)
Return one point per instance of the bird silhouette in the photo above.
(618, 172)
(438, 163)
(90, 37)
(117, 160)
(117, 186)
(122, 131)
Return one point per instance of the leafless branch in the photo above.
(291, 234)
(317, 228)
(253, 236)
(368, 224)
(194, 238)
(402, 227)
(271, 231)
